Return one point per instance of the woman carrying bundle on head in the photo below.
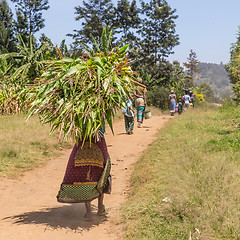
(140, 102)
(77, 96)
(88, 171)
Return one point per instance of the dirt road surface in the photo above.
(29, 210)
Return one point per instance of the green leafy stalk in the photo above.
(76, 96)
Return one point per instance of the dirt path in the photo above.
(29, 210)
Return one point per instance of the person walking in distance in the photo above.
(186, 100)
(173, 100)
(192, 100)
(129, 117)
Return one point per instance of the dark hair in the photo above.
(86, 56)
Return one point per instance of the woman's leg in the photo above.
(140, 115)
(126, 123)
(101, 207)
(131, 125)
(139, 118)
(88, 214)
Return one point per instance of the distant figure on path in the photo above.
(140, 104)
(173, 101)
(129, 117)
(186, 100)
(192, 100)
(180, 106)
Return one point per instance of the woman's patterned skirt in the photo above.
(140, 114)
(88, 173)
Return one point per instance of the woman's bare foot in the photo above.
(101, 211)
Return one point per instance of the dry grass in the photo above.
(24, 145)
(189, 178)
(154, 110)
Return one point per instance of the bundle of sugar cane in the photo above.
(76, 96)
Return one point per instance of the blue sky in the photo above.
(208, 27)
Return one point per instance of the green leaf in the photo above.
(123, 49)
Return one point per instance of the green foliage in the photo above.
(94, 15)
(158, 97)
(157, 38)
(10, 102)
(177, 80)
(7, 40)
(157, 31)
(159, 74)
(126, 20)
(233, 67)
(227, 102)
(105, 43)
(18, 69)
(208, 92)
(4, 67)
(21, 25)
(75, 96)
(29, 61)
(192, 68)
(31, 12)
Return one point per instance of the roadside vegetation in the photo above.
(186, 182)
(25, 145)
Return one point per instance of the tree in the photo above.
(208, 92)
(21, 25)
(157, 37)
(157, 31)
(105, 42)
(192, 68)
(29, 15)
(93, 16)
(7, 40)
(233, 67)
(126, 19)
(177, 79)
(159, 74)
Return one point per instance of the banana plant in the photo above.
(29, 61)
(105, 44)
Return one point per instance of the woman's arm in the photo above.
(138, 96)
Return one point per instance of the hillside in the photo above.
(216, 76)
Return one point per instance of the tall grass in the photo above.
(188, 179)
(24, 145)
